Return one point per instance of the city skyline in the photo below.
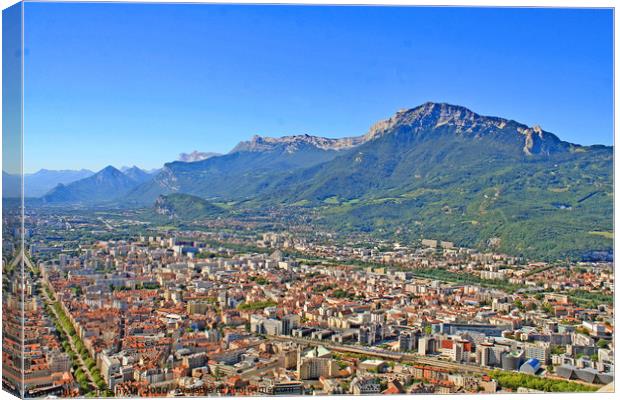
(337, 84)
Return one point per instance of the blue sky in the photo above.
(126, 84)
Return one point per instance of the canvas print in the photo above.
(262, 200)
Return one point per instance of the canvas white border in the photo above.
(439, 3)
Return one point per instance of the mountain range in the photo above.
(42, 181)
(436, 170)
(38, 183)
(106, 185)
(138, 175)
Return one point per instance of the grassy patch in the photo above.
(301, 203)
(257, 305)
(225, 205)
(605, 234)
(167, 228)
(331, 200)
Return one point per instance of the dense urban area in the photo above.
(115, 305)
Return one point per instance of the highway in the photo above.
(106, 223)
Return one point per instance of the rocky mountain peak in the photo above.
(293, 143)
(463, 121)
(434, 115)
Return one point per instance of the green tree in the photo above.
(602, 343)
(548, 308)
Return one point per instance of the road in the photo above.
(50, 302)
(82, 365)
(106, 223)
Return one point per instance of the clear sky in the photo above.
(126, 84)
